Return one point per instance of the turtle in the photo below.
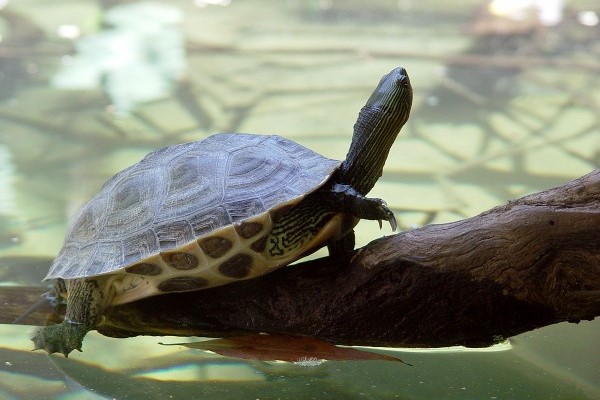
(229, 207)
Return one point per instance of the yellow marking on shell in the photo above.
(130, 287)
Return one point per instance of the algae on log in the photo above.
(520, 266)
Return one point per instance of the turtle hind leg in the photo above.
(86, 301)
(60, 338)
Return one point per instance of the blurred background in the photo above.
(507, 103)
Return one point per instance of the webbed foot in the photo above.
(60, 338)
(346, 198)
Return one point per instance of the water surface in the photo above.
(85, 91)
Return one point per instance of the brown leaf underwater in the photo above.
(296, 349)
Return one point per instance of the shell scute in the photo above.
(139, 246)
(237, 267)
(259, 245)
(204, 223)
(215, 246)
(191, 182)
(244, 209)
(248, 229)
(180, 260)
(132, 202)
(174, 234)
(144, 268)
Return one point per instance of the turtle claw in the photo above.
(385, 214)
(393, 223)
(60, 338)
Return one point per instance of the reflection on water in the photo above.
(136, 58)
(503, 107)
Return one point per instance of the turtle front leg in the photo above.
(86, 302)
(346, 198)
(342, 246)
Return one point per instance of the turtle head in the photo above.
(392, 98)
(375, 130)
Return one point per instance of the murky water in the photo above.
(495, 117)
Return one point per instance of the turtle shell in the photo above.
(178, 195)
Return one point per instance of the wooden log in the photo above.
(532, 262)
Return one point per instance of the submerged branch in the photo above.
(517, 267)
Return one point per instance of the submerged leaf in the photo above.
(297, 349)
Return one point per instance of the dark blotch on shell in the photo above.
(144, 269)
(248, 229)
(182, 284)
(180, 260)
(259, 245)
(238, 266)
(215, 246)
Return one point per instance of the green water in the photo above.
(494, 118)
